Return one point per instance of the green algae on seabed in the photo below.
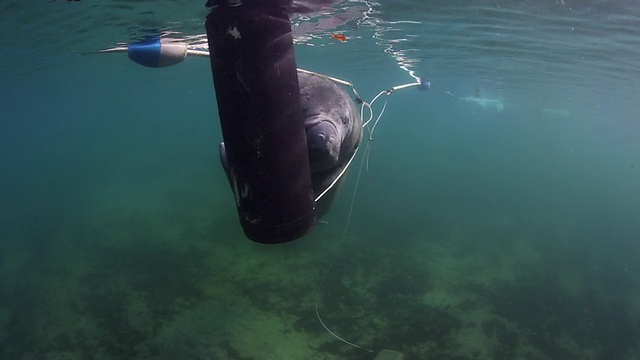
(127, 288)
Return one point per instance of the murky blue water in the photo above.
(497, 217)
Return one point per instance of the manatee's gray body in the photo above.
(334, 129)
(331, 120)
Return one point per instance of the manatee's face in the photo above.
(330, 121)
(323, 141)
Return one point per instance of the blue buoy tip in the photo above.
(424, 84)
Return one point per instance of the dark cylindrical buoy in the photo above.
(258, 96)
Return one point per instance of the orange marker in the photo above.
(340, 37)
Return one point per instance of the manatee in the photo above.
(334, 130)
(331, 121)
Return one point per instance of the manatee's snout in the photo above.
(323, 141)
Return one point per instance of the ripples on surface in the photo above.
(577, 44)
(580, 43)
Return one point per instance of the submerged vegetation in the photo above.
(107, 296)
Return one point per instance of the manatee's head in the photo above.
(323, 141)
(330, 120)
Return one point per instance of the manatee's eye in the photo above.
(345, 120)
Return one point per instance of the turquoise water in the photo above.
(497, 219)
